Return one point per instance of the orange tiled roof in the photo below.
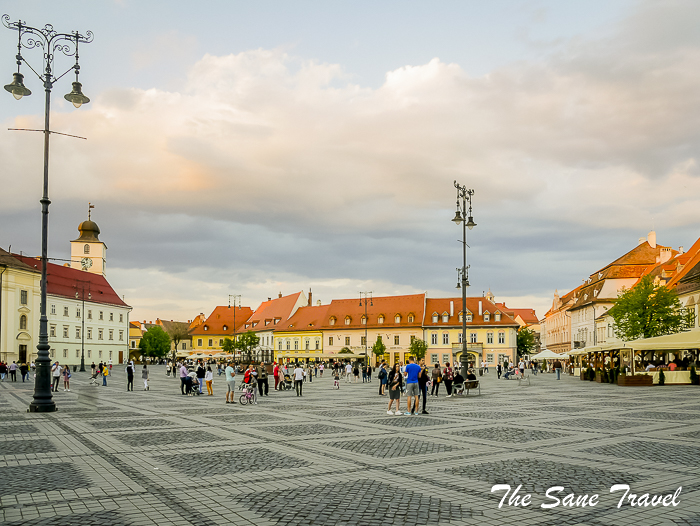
(305, 318)
(271, 313)
(693, 260)
(223, 316)
(441, 306)
(386, 306)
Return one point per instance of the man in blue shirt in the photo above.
(412, 390)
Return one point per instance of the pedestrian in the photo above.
(201, 373)
(364, 374)
(448, 375)
(395, 387)
(209, 380)
(144, 377)
(218, 367)
(315, 369)
(56, 373)
(436, 377)
(423, 379)
(3, 371)
(486, 367)
(13, 371)
(183, 378)
(336, 379)
(66, 378)
(93, 368)
(105, 374)
(276, 375)
(310, 373)
(499, 371)
(263, 386)
(230, 384)
(110, 364)
(356, 372)
(412, 389)
(382, 377)
(521, 366)
(298, 379)
(24, 371)
(129, 377)
(348, 372)
(321, 368)
(557, 368)
(369, 373)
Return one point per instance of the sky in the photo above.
(262, 147)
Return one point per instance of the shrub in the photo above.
(694, 377)
(662, 377)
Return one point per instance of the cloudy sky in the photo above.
(261, 147)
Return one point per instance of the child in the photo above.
(336, 380)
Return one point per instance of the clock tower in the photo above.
(87, 252)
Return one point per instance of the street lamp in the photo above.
(464, 217)
(363, 300)
(80, 294)
(236, 297)
(50, 43)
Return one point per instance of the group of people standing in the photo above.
(11, 370)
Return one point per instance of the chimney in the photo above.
(452, 308)
(651, 238)
(269, 299)
(279, 295)
(680, 250)
(641, 240)
(318, 303)
(665, 254)
(310, 298)
(480, 310)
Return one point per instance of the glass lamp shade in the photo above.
(17, 87)
(76, 96)
(470, 223)
(457, 218)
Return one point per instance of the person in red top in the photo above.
(276, 374)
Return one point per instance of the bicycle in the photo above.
(248, 395)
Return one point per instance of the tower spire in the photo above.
(90, 207)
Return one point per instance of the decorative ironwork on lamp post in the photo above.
(464, 217)
(363, 301)
(51, 43)
(236, 298)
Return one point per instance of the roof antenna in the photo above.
(90, 207)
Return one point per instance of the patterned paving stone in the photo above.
(230, 461)
(303, 429)
(393, 448)
(168, 437)
(18, 429)
(24, 447)
(595, 424)
(361, 502)
(666, 451)
(689, 434)
(658, 415)
(507, 434)
(41, 477)
(408, 422)
(248, 418)
(103, 518)
(538, 475)
(493, 415)
(343, 413)
(126, 424)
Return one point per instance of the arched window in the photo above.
(86, 249)
(332, 320)
(397, 318)
(23, 322)
(348, 320)
(363, 320)
(380, 319)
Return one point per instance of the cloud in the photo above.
(280, 169)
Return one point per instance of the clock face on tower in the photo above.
(86, 263)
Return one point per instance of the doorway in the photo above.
(22, 354)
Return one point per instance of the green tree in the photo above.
(645, 311)
(229, 345)
(418, 348)
(378, 348)
(246, 343)
(155, 343)
(525, 341)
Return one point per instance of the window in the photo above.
(89, 353)
(111, 334)
(99, 353)
(206, 327)
(77, 353)
(225, 327)
(110, 355)
(221, 342)
(413, 338)
(121, 336)
(318, 343)
(397, 318)
(363, 320)
(363, 341)
(65, 311)
(133, 344)
(331, 321)
(287, 344)
(199, 342)
(296, 344)
(472, 337)
(65, 353)
(459, 337)
(489, 337)
(501, 337)
(23, 297)
(77, 312)
(330, 340)
(86, 249)
(445, 338)
(411, 318)
(89, 334)
(65, 331)
(433, 338)
(53, 353)
(77, 333)
(396, 340)
(111, 316)
(435, 317)
(121, 318)
(52, 331)
(348, 319)
(433, 358)
(380, 319)
(53, 309)
(100, 333)
(306, 344)
(102, 315)
(445, 317)
(347, 340)
(489, 358)
(469, 317)
(487, 316)
(498, 316)
(23, 322)
(211, 342)
(89, 314)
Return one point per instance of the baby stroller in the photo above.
(192, 385)
(286, 383)
(93, 378)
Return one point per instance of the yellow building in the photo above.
(221, 324)
(300, 337)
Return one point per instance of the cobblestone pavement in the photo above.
(334, 457)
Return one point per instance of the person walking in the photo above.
(13, 371)
(395, 387)
(356, 372)
(183, 378)
(144, 377)
(105, 374)
(557, 368)
(448, 376)
(56, 373)
(499, 371)
(321, 368)
(437, 379)
(412, 389)
(263, 386)
(369, 373)
(298, 379)
(201, 373)
(218, 368)
(93, 368)
(364, 374)
(348, 373)
(382, 377)
(24, 371)
(129, 377)
(423, 378)
(3, 371)
(276, 375)
(230, 384)
(66, 378)
(209, 380)
(521, 366)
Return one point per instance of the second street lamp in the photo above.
(464, 217)
(363, 300)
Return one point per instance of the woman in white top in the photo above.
(208, 379)
(144, 377)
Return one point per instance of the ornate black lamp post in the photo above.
(464, 217)
(236, 298)
(80, 294)
(50, 42)
(363, 301)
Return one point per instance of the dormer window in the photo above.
(435, 317)
(469, 317)
(277, 320)
(206, 328)
(487, 316)
(255, 323)
(363, 320)
(445, 317)
(498, 316)
(380, 319)
(411, 318)
(348, 320)
(267, 322)
(225, 327)
(331, 321)
(397, 318)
